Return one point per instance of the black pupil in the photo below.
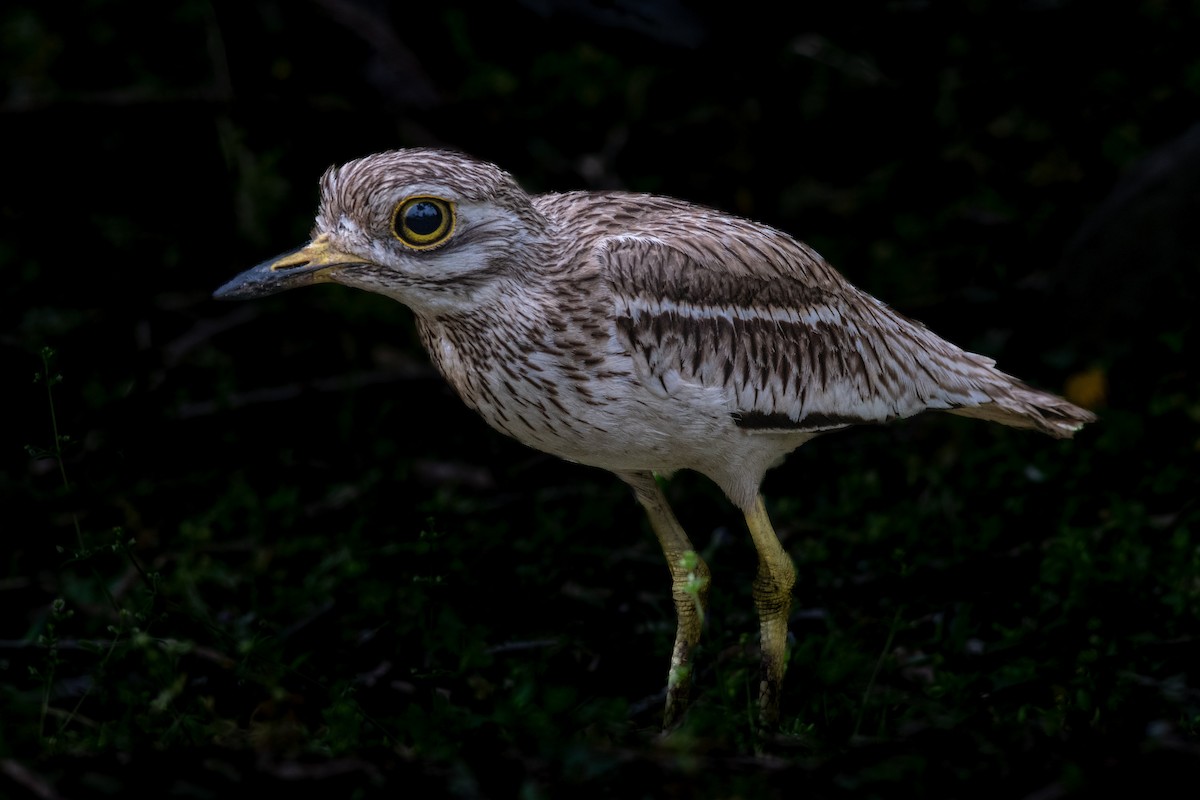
(423, 218)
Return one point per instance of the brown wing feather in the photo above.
(793, 345)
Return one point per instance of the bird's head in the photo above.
(433, 229)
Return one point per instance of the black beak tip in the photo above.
(227, 291)
(240, 288)
(258, 281)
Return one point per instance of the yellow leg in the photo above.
(773, 599)
(689, 588)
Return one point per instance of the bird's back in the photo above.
(706, 299)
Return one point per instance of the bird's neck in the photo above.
(466, 344)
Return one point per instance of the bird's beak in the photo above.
(316, 262)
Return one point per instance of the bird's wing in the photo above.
(793, 345)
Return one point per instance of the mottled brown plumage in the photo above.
(641, 334)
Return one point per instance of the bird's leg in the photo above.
(689, 588)
(773, 599)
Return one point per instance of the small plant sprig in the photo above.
(59, 612)
(50, 379)
(49, 640)
(58, 609)
(60, 440)
(56, 452)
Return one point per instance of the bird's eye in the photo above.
(423, 222)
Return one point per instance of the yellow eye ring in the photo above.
(423, 222)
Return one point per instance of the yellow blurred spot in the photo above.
(1088, 388)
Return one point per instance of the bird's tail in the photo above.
(1021, 406)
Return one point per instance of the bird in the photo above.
(643, 335)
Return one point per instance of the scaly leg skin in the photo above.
(773, 599)
(689, 588)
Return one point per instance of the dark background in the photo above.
(284, 549)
